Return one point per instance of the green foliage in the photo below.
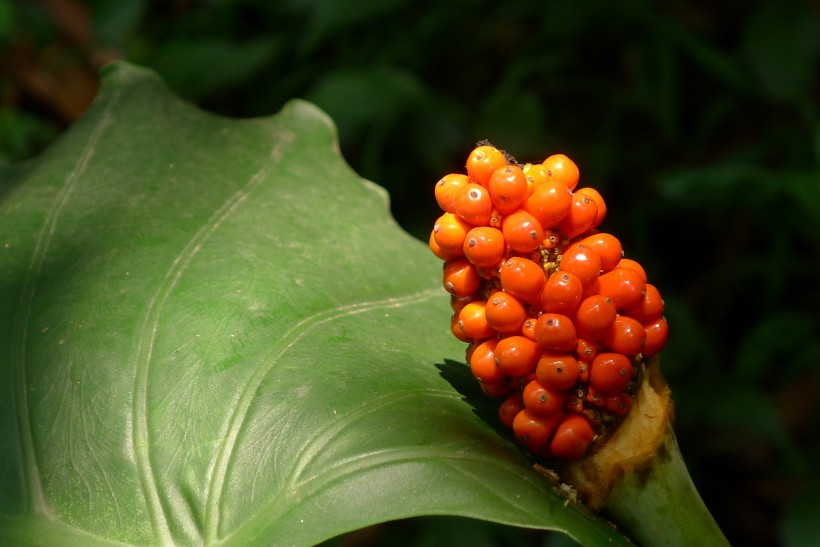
(214, 331)
(698, 122)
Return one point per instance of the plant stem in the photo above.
(660, 506)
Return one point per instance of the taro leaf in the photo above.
(213, 332)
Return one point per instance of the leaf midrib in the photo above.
(35, 496)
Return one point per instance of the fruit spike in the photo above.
(564, 331)
(528, 268)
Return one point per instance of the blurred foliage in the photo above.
(698, 121)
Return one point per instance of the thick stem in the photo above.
(639, 479)
(660, 506)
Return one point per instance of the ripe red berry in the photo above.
(449, 232)
(649, 308)
(484, 246)
(583, 262)
(541, 400)
(562, 169)
(482, 363)
(522, 231)
(505, 313)
(472, 321)
(438, 251)
(522, 278)
(623, 285)
(528, 328)
(657, 333)
(536, 174)
(461, 277)
(474, 205)
(562, 293)
(534, 430)
(610, 372)
(634, 265)
(482, 162)
(626, 335)
(516, 355)
(608, 248)
(549, 203)
(496, 391)
(511, 406)
(572, 437)
(594, 195)
(581, 216)
(456, 329)
(618, 403)
(557, 371)
(446, 189)
(595, 314)
(586, 350)
(508, 188)
(555, 332)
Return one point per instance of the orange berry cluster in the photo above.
(559, 323)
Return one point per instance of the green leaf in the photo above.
(212, 331)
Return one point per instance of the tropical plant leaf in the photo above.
(213, 332)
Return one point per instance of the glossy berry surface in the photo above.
(558, 321)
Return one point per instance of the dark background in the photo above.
(698, 121)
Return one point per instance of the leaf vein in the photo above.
(150, 328)
(293, 335)
(35, 496)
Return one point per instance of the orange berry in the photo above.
(456, 330)
(472, 321)
(482, 162)
(580, 217)
(508, 188)
(624, 286)
(625, 335)
(438, 251)
(516, 355)
(549, 203)
(522, 278)
(610, 372)
(511, 406)
(562, 169)
(482, 363)
(586, 350)
(496, 391)
(657, 333)
(505, 313)
(458, 302)
(558, 371)
(594, 195)
(449, 232)
(562, 293)
(461, 277)
(582, 261)
(534, 430)
(528, 328)
(522, 231)
(633, 265)
(649, 308)
(555, 332)
(595, 314)
(446, 189)
(572, 438)
(541, 400)
(618, 403)
(484, 246)
(608, 248)
(474, 205)
(536, 175)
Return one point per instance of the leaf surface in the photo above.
(213, 332)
